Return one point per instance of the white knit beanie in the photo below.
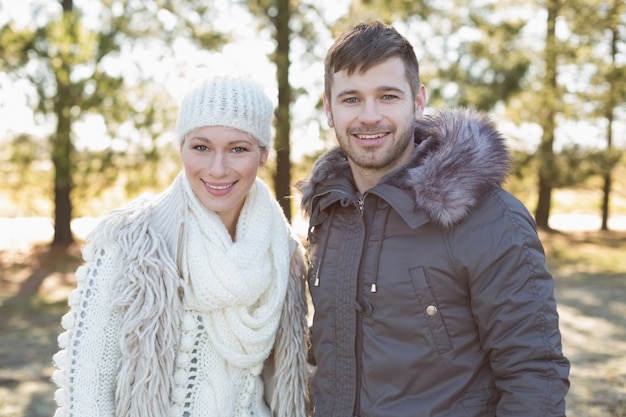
(229, 101)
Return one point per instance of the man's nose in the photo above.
(370, 112)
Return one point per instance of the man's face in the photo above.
(373, 114)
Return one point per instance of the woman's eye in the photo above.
(200, 148)
(239, 149)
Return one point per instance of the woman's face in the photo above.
(221, 165)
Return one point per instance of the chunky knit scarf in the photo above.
(239, 287)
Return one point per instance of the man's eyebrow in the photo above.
(381, 89)
(347, 92)
(386, 88)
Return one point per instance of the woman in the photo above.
(191, 303)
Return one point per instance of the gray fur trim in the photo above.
(459, 156)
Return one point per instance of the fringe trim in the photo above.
(290, 396)
(147, 296)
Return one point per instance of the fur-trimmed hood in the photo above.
(458, 156)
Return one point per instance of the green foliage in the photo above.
(24, 151)
(26, 176)
(486, 54)
(74, 70)
(492, 62)
(388, 11)
(14, 45)
(572, 166)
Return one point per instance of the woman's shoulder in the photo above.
(114, 222)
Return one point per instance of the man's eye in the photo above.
(351, 100)
(389, 97)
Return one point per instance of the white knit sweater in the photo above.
(111, 311)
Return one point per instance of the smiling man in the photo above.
(428, 280)
(373, 114)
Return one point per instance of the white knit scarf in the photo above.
(240, 286)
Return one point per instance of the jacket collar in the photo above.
(459, 155)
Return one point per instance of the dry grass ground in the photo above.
(590, 276)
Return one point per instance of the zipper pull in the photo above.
(361, 203)
(373, 288)
(316, 281)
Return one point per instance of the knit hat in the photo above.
(229, 101)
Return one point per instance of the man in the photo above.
(429, 283)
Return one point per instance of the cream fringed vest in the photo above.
(196, 355)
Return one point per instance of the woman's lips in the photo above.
(218, 189)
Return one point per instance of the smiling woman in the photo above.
(221, 165)
(206, 272)
(224, 130)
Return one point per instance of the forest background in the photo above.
(88, 95)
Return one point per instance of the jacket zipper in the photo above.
(316, 280)
(359, 319)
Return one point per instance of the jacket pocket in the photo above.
(429, 308)
(481, 402)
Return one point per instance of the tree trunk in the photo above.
(544, 201)
(614, 97)
(548, 123)
(61, 156)
(606, 192)
(62, 150)
(282, 178)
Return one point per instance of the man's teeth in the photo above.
(375, 136)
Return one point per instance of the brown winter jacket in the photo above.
(431, 292)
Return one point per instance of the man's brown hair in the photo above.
(366, 45)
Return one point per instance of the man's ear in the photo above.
(329, 113)
(420, 103)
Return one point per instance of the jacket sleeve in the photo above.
(89, 353)
(513, 305)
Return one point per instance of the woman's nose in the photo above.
(218, 165)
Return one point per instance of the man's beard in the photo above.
(376, 158)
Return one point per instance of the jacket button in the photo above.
(431, 310)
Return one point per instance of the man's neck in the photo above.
(365, 179)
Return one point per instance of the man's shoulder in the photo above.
(500, 207)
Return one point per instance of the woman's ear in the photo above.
(264, 156)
